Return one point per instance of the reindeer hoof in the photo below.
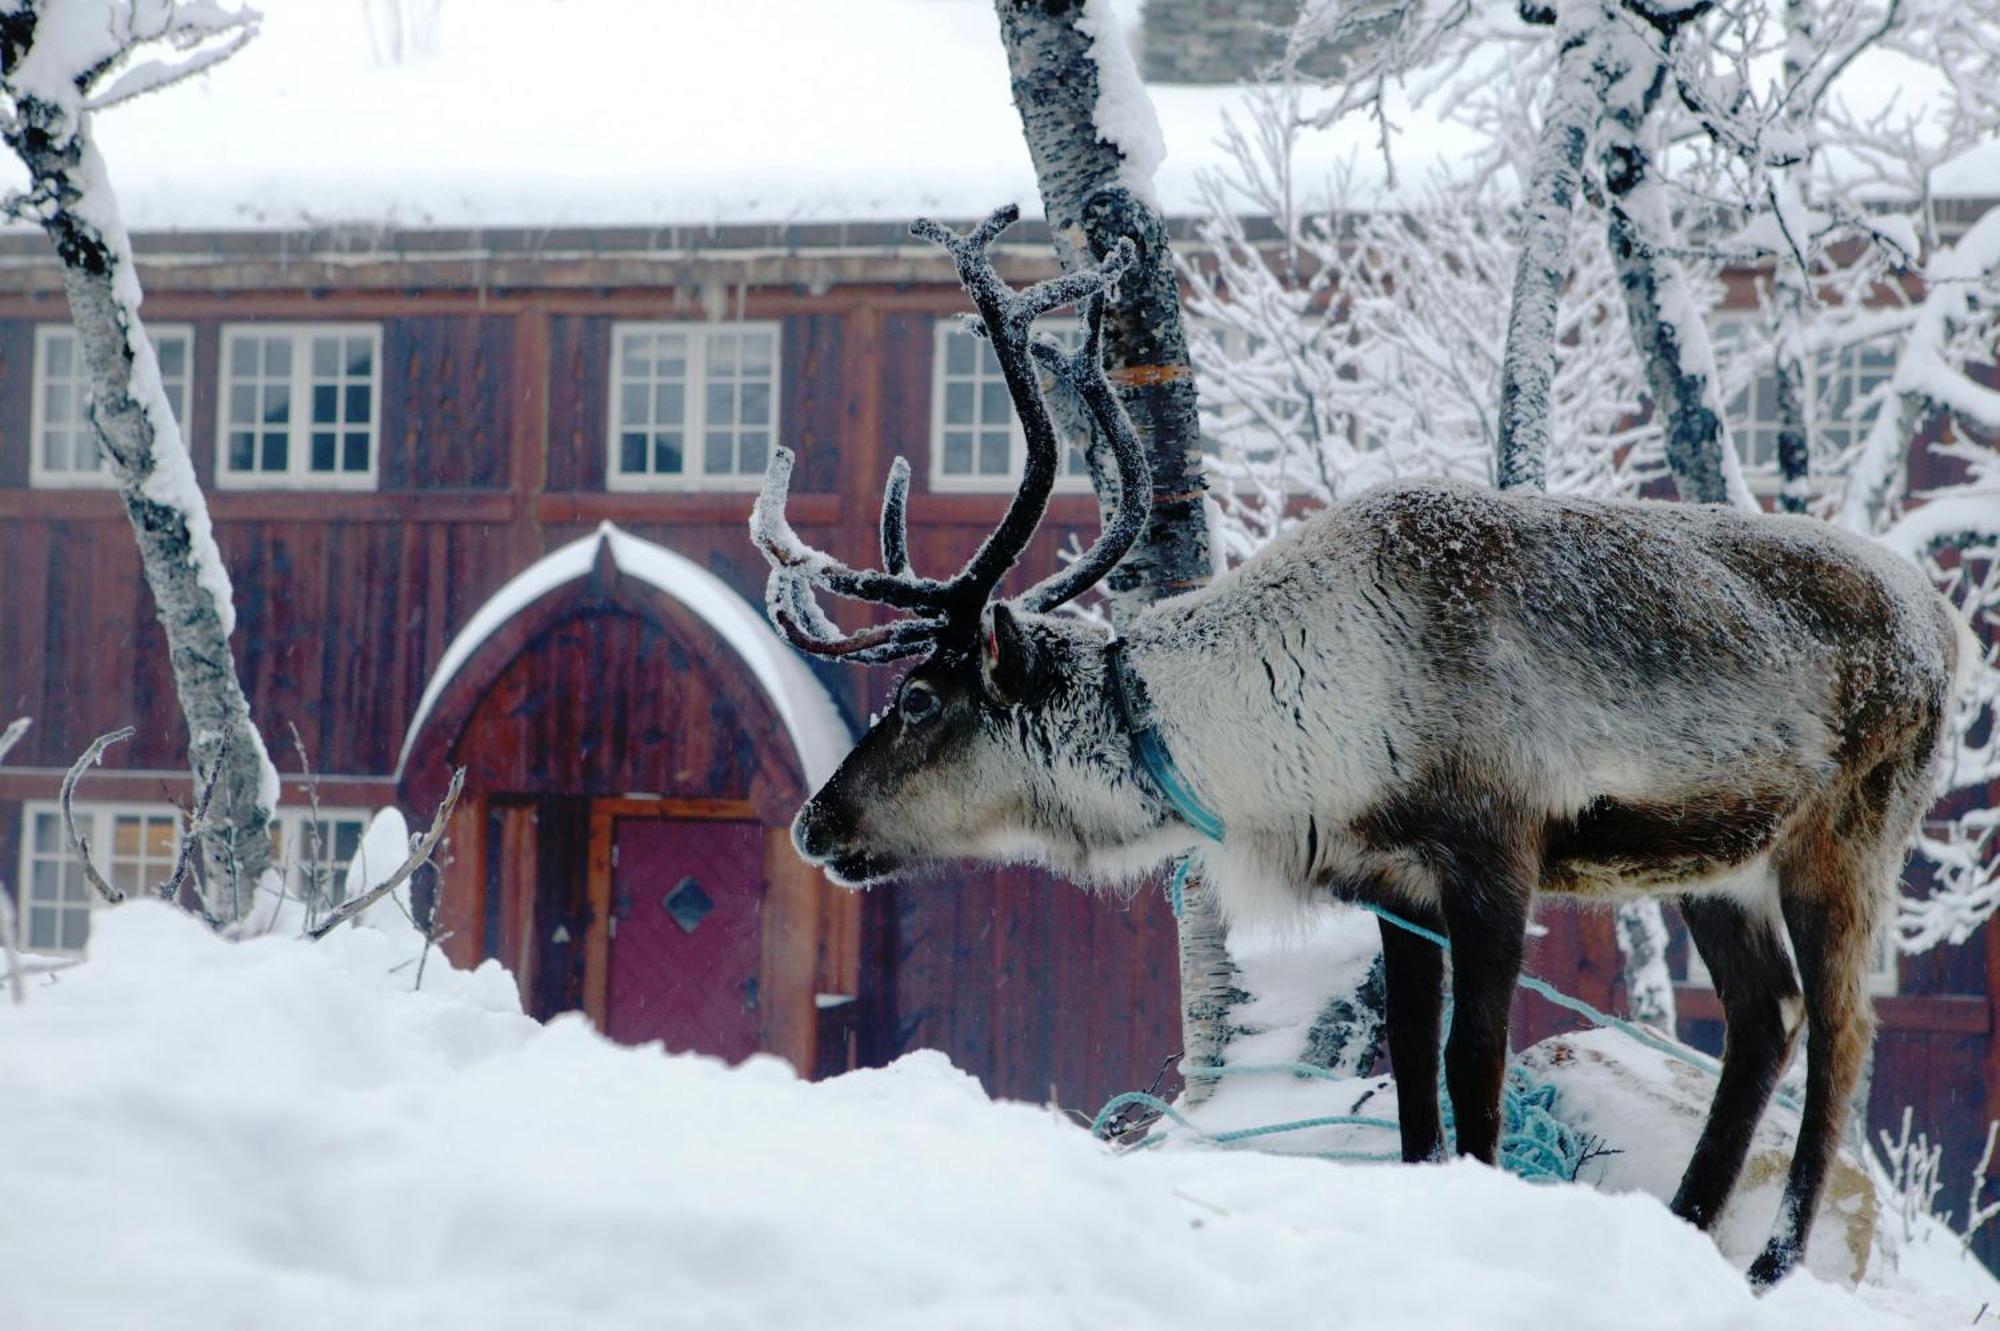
(1772, 1265)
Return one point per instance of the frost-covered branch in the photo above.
(421, 850)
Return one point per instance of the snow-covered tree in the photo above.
(1095, 142)
(61, 62)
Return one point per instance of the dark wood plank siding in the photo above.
(579, 389)
(446, 395)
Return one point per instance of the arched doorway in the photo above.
(635, 739)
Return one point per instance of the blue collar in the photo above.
(1149, 747)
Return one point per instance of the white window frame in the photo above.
(96, 821)
(298, 473)
(1745, 424)
(693, 474)
(1068, 481)
(1884, 965)
(41, 476)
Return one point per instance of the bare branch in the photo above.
(77, 840)
(12, 734)
(420, 855)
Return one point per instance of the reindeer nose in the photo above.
(811, 834)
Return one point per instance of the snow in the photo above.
(276, 1133)
(819, 736)
(695, 114)
(1124, 115)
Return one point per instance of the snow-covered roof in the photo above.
(819, 736)
(602, 113)
(616, 113)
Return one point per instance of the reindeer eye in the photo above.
(917, 703)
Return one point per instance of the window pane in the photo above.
(345, 839)
(717, 454)
(667, 452)
(42, 933)
(756, 452)
(161, 837)
(634, 358)
(278, 356)
(958, 453)
(172, 355)
(242, 448)
(722, 354)
(360, 403)
(125, 875)
(45, 880)
(354, 451)
(74, 888)
(322, 450)
(757, 354)
(632, 453)
(61, 349)
(756, 404)
(632, 405)
(325, 404)
(125, 832)
(242, 404)
(48, 833)
(75, 929)
(958, 350)
(277, 404)
(277, 452)
(993, 403)
(721, 404)
(325, 357)
(242, 357)
(958, 404)
(992, 453)
(670, 404)
(360, 358)
(55, 403)
(177, 402)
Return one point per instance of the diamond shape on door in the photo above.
(687, 904)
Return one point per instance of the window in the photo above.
(1843, 380)
(976, 440)
(693, 406)
(134, 847)
(339, 838)
(1883, 976)
(65, 449)
(298, 406)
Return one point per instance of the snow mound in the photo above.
(280, 1134)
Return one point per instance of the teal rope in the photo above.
(1535, 1144)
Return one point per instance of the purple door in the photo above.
(685, 942)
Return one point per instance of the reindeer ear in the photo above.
(1013, 666)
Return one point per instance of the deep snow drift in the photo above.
(277, 1134)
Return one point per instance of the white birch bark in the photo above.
(52, 59)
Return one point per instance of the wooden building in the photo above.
(483, 496)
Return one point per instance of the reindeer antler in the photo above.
(943, 610)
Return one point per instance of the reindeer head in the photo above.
(994, 721)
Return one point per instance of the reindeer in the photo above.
(1432, 697)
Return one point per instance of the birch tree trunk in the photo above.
(1528, 363)
(1790, 291)
(1095, 191)
(71, 198)
(1666, 322)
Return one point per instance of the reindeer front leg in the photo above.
(1413, 989)
(1486, 895)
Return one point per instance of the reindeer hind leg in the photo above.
(1760, 1005)
(1829, 889)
